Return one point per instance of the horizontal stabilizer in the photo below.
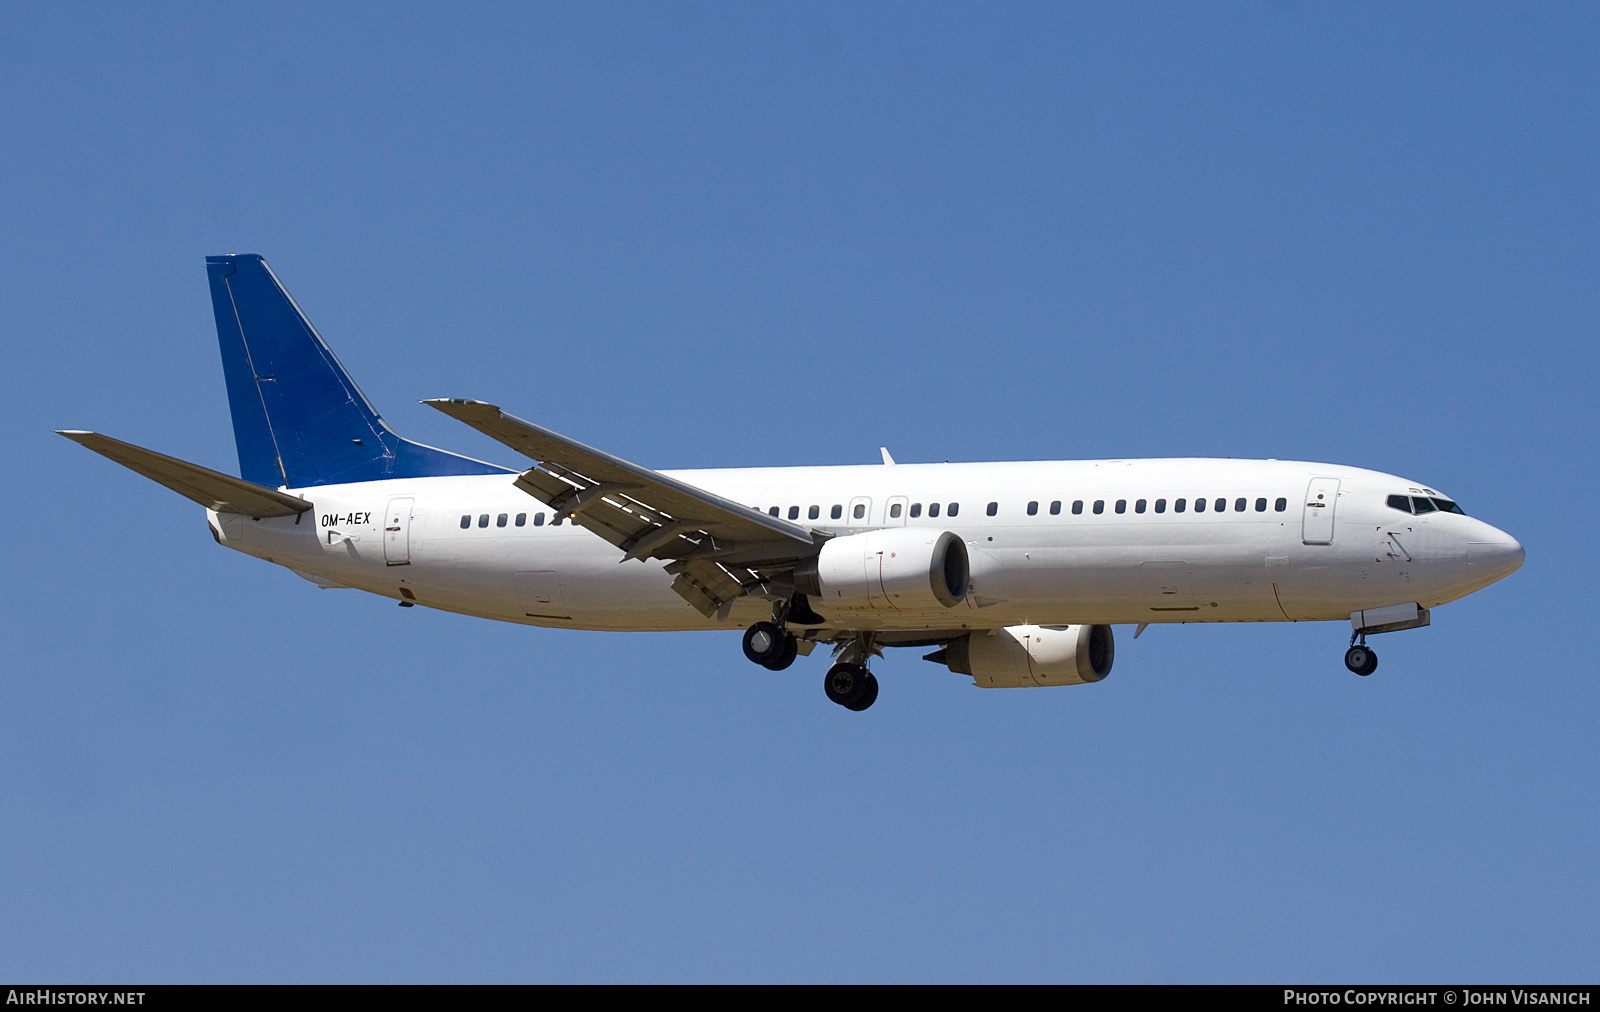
(211, 489)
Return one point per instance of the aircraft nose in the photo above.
(1495, 553)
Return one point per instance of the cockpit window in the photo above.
(1424, 504)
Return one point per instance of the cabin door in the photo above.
(1322, 497)
(397, 532)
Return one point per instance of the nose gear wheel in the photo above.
(1361, 659)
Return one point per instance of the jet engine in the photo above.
(1025, 655)
(898, 569)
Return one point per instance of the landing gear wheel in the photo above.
(1361, 659)
(791, 650)
(869, 694)
(766, 643)
(851, 686)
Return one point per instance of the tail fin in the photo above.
(298, 417)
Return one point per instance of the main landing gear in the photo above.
(847, 683)
(1361, 659)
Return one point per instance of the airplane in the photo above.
(1013, 572)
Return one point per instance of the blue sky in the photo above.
(783, 234)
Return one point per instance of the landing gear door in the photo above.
(397, 532)
(1322, 498)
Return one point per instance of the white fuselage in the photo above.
(1285, 556)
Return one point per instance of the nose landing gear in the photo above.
(1362, 659)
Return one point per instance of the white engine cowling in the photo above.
(898, 569)
(1027, 655)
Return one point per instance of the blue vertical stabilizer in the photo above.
(298, 417)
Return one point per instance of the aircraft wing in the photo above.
(211, 489)
(717, 547)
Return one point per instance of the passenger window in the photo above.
(1261, 505)
(1122, 505)
(483, 520)
(794, 513)
(1220, 506)
(500, 521)
(1280, 505)
(522, 519)
(538, 520)
(1400, 502)
(1055, 508)
(813, 512)
(836, 512)
(1179, 505)
(1239, 505)
(1138, 507)
(1033, 509)
(1077, 506)
(466, 521)
(773, 511)
(894, 511)
(1099, 506)
(952, 509)
(916, 510)
(555, 520)
(1422, 505)
(860, 511)
(994, 508)
(1161, 505)
(1199, 505)
(933, 509)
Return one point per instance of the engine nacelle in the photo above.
(1026, 655)
(898, 569)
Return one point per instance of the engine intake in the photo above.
(1027, 655)
(899, 569)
